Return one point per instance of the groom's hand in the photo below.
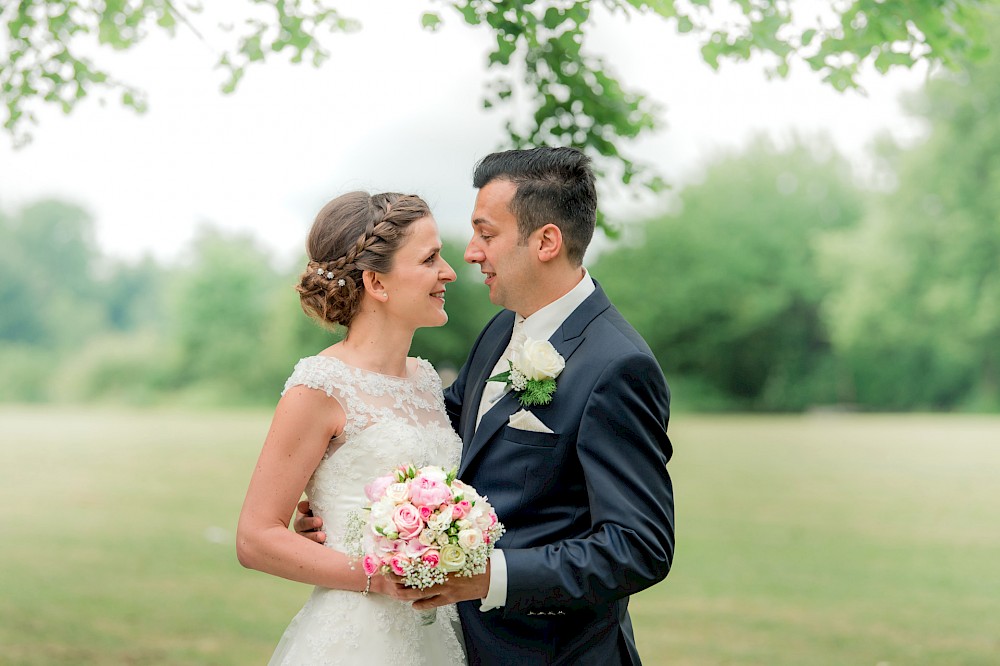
(458, 588)
(309, 525)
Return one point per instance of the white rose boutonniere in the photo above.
(534, 367)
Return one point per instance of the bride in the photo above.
(347, 415)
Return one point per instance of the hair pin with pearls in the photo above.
(329, 276)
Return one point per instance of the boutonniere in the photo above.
(534, 367)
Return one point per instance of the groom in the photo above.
(581, 482)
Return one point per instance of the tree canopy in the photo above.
(918, 293)
(574, 98)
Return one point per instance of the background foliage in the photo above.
(778, 282)
(538, 52)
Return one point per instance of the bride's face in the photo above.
(416, 284)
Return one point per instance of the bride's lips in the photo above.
(438, 295)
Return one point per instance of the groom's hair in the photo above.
(554, 185)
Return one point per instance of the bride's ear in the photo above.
(374, 286)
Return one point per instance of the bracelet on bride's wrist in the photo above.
(368, 587)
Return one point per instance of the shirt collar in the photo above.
(546, 321)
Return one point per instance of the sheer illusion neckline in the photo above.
(412, 373)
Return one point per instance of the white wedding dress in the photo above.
(390, 420)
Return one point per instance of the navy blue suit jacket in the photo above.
(588, 509)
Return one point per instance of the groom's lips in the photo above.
(489, 277)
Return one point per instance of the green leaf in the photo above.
(553, 17)
(430, 21)
(501, 377)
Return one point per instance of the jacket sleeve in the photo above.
(623, 449)
(454, 396)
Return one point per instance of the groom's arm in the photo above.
(453, 396)
(623, 449)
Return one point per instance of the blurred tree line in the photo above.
(778, 283)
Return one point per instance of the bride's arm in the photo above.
(305, 421)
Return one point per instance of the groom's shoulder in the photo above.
(612, 329)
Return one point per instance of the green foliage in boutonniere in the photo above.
(534, 367)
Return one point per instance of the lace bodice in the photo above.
(390, 420)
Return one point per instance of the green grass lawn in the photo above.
(809, 540)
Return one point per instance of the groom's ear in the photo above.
(550, 242)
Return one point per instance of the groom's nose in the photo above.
(473, 255)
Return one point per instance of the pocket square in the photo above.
(525, 420)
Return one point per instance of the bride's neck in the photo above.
(377, 345)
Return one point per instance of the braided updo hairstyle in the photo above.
(353, 233)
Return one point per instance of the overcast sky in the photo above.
(395, 108)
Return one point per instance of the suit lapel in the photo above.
(565, 340)
(492, 349)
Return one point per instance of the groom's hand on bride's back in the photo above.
(307, 524)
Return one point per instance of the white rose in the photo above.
(474, 514)
(434, 473)
(452, 557)
(538, 359)
(459, 489)
(427, 538)
(483, 521)
(469, 539)
(397, 493)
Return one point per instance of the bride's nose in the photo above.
(447, 273)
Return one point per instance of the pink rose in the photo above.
(426, 512)
(371, 565)
(407, 520)
(427, 492)
(431, 558)
(460, 510)
(397, 562)
(376, 488)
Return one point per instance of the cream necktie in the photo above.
(495, 390)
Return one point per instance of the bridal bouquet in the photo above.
(422, 525)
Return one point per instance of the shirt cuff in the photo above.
(496, 597)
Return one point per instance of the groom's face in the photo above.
(506, 264)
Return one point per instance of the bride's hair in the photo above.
(353, 233)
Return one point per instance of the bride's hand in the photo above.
(391, 586)
(382, 585)
(307, 524)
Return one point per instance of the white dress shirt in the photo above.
(539, 326)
